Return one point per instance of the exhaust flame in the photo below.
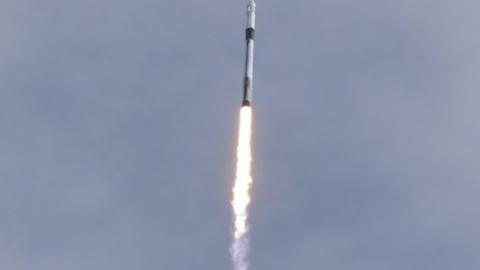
(241, 189)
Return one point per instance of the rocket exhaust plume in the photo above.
(243, 179)
(241, 197)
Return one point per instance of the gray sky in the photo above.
(118, 127)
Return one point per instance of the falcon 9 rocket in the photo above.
(250, 37)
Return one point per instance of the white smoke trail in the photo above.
(241, 189)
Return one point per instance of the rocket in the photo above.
(250, 37)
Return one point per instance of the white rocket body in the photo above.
(250, 37)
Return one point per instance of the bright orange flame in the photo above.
(241, 190)
(243, 179)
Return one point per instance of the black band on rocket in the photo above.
(250, 33)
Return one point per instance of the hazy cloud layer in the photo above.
(118, 128)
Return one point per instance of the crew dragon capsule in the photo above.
(250, 36)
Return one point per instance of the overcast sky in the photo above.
(118, 125)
